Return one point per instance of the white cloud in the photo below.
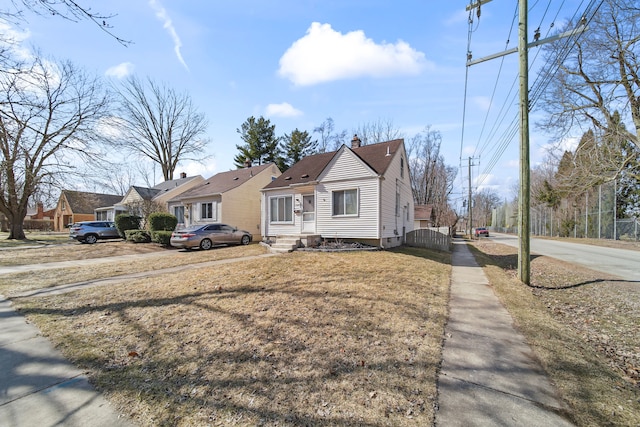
(482, 102)
(282, 110)
(192, 168)
(162, 15)
(12, 39)
(324, 55)
(120, 71)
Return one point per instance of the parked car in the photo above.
(208, 235)
(482, 231)
(92, 231)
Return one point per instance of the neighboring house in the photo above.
(75, 206)
(231, 197)
(158, 196)
(39, 213)
(423, 216)
(357, 193)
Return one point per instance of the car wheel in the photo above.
(245, 240)
(205, 244)
(91, 239)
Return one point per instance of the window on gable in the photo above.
(345, 202)
(401, 167)
(281, 209)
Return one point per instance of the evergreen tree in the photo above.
(261, 144)
(296, 145)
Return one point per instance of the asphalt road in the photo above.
(619, 262)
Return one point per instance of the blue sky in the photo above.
(300, 62)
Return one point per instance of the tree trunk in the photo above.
(16, 230)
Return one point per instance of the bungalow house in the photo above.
(232, 197)
(357, 193)
(141, 199)
(75, 206)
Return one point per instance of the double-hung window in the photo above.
(281, 209)
(345, 202)
(206, 211)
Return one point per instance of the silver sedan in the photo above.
(208, 235)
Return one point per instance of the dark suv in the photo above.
(91, 231)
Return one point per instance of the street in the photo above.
(619, 262)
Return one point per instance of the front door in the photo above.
(309, 214)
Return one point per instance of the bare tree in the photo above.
(595, 77)
(160, 124)
(485, 201)
(49, 114)
(431, 180)
(378, 131)
(329, 139)
(69, 10)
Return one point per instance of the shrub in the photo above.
(138, 236)
(162, 237)
(162, 221)
(126, 222)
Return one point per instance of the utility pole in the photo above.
(470, 207)
(524, 248)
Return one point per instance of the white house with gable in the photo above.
(358, 193)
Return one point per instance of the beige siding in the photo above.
(241, 206)
(164, 197)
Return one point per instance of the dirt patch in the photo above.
(299, 339)
(582, 324)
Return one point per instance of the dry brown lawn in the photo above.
(582, 325)
(154, 258)
(330, 339)
(70, 250)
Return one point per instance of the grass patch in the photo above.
(300, 339)
(155, 258)
(34, 237)
(583, 328)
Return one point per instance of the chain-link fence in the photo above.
(590, 215)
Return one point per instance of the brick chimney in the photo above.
(355, 142)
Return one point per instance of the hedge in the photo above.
(138, 236)
(162, 237)
(162, 221)
(126, 222)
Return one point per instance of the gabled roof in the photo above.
(146, 193)
(82, 202)
(223, 182)
(173, 183)
(376, 156)
(422, 212)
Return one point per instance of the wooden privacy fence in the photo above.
(431, 239)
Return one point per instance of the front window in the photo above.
(206, 211)
(345, 202)
(281, 209)
(178, 211)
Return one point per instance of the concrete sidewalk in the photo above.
(489, 375)
(38, 387)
